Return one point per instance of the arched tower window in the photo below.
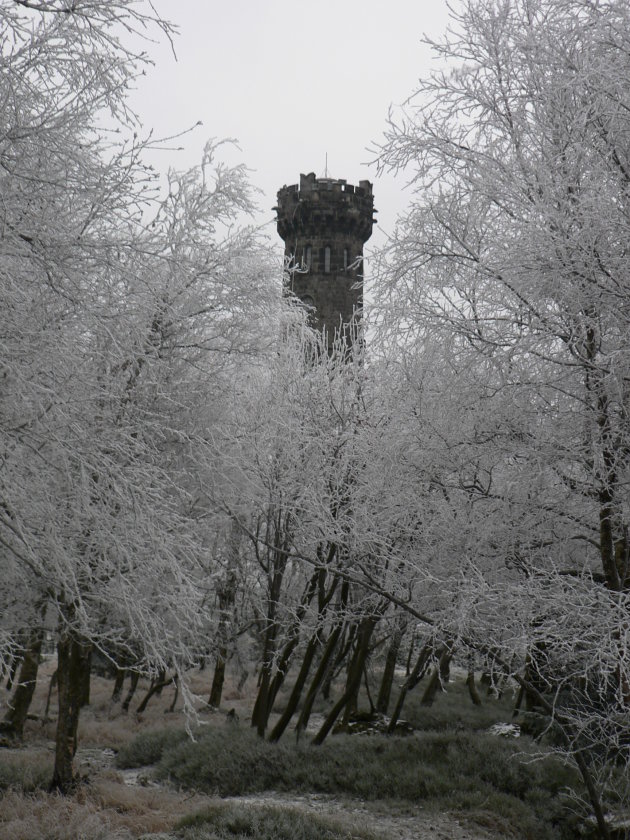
(345, 259)
(327, 259)
(307, 256)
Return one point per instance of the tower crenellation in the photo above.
(324, 223)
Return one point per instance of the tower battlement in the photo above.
(326, 207)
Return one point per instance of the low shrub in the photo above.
(148, 747)
(453, 770)
(453, 709)
(25, 772)
(265, 822)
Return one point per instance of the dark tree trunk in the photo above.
(51, 686)
(412, 646)
(86, 671)
(343, 649)
(262, 709)
(324, 664)
(260, 714)
(155, 688)
(318, 678)
(226, 593)
(292, 642)
(15, 717)
(355, 672)
(133, 685)
(218, 678)
(367, 689)
(412, 681)
(356, 668)
(160, 682)
(439, 676)
(332, 667)
(296, 693)
(118, 684)
(387, 680)
(470, 680)
(71, 663)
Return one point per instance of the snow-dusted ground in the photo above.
(418, 826)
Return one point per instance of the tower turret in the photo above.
(324, 224)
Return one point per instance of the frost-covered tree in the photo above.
(126, 308)
(512, 262)
(308, 472)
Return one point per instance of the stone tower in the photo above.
(324, 223)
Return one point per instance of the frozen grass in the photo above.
(233, 822)
(103, 810)
(453, 709)
(449, 766)
(463, 771)
(47, 817)
(26, 771)
(148, 747)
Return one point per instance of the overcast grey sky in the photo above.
(291, 80)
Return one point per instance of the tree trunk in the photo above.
(355, 672)
(71, 663)
(226, 594)
(262, 709)
(324, 664)
(133, 685)
(260, 714)
(160, 682)
(118, 684)
(357, 667)
(412, 680)
(15, 717)
(343, 649)
(171, 708)
(155, 688)
(318, 678)
(216, 689)
(412, 645)
(367, 689)
(296, 693)
(51, 686)
(439, 676)
(387, 680)
(86, 672)
(294, 637)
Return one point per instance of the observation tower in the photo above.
(324, 223)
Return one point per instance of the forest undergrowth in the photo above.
(449, 765)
